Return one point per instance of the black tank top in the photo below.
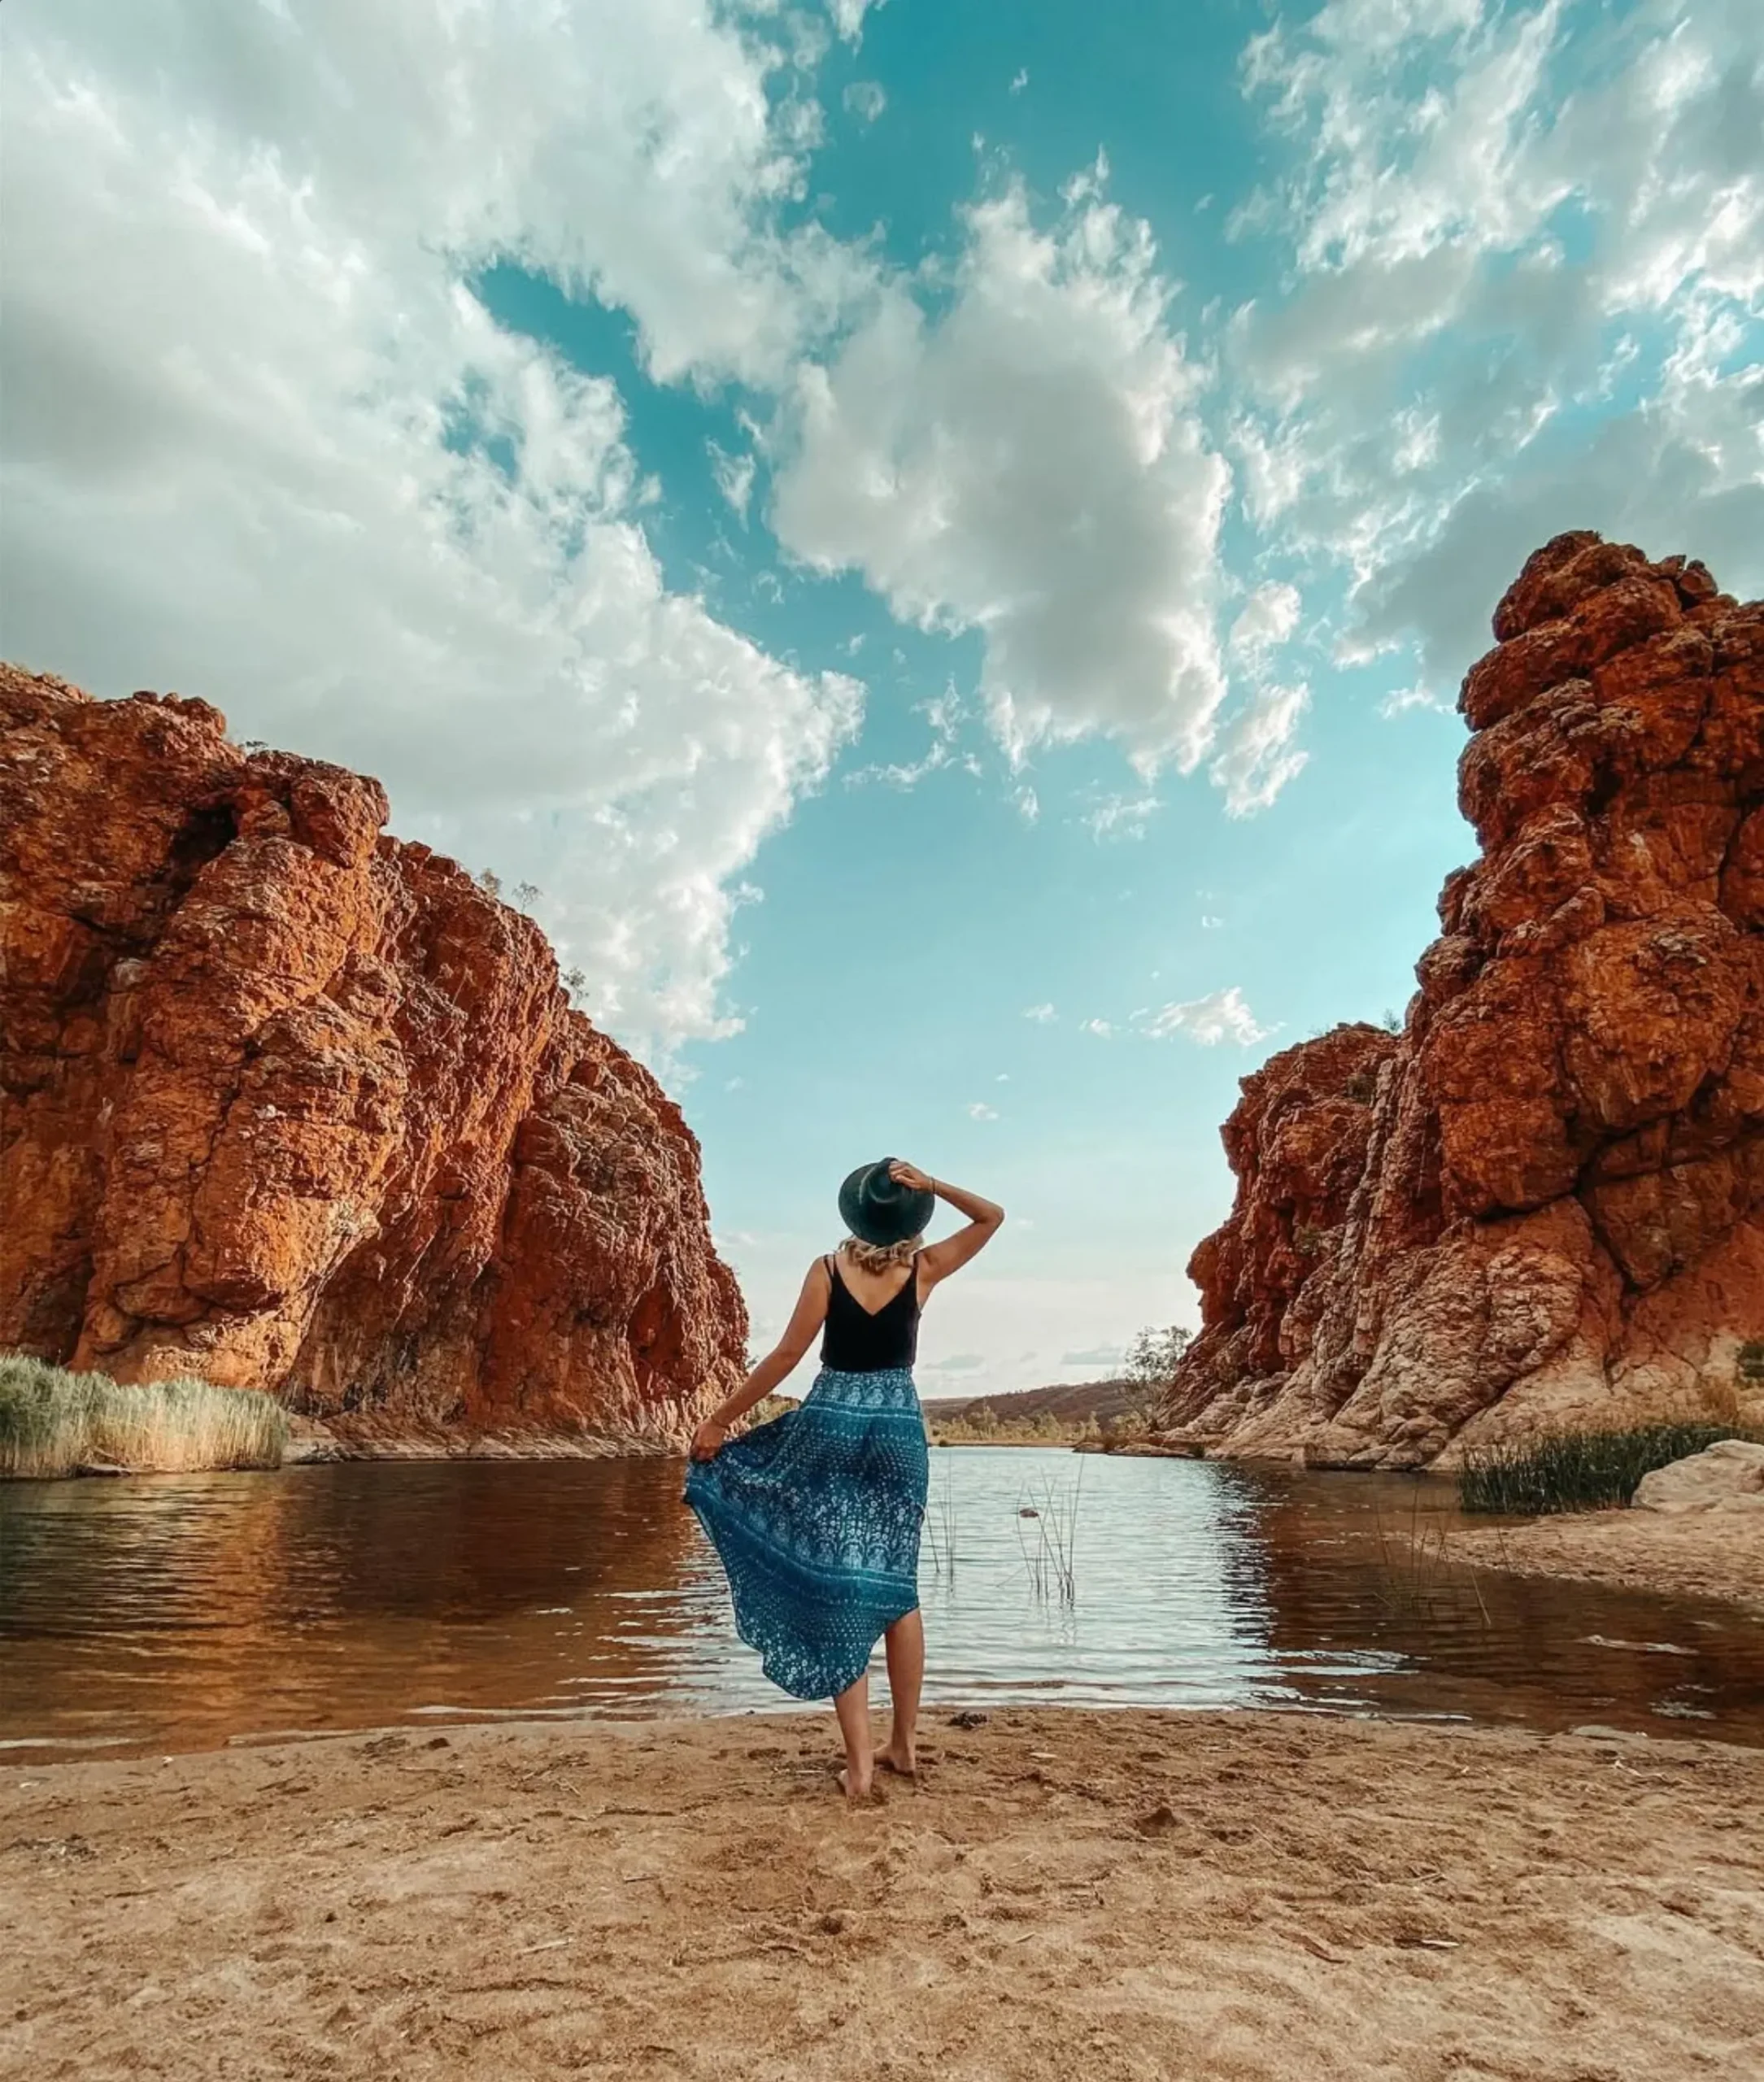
(857, 1340)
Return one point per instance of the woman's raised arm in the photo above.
(984, 1217)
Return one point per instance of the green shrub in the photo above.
(52, 1422)
(1575, 1470)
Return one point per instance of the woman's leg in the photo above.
(905, 1644)
(852, 1707)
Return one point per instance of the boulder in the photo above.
(1731, 1471)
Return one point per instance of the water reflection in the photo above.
(179, 1612)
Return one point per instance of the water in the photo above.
(180, 1613)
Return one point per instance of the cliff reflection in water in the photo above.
(1357, 1560)
(183, 1611)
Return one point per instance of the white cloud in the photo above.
(734, 475)
(848, 16)
(1547, 189)
(1121, 817)
(1041, 1014)
(1266, 622)
(978, 1110)
(1208, 924)
(1028, 463)
(1100, 1027)
(261, 444)
(1019, 79)
(866, 99)
(1222, 1016)
(1406, 697)
(1258, 757)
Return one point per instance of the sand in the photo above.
(1065, 1895)
(1706, 1553)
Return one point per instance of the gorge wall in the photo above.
(1539, 1205)
(288, 1103)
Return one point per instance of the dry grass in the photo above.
(52, 1422)
(1576, 1470)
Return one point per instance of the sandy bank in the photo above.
(1711, 1553)
(1110, 1895)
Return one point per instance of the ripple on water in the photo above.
(187, 1611)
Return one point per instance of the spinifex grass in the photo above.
(52, 1422)
(1576, 1470)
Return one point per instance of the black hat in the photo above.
(877, 1209)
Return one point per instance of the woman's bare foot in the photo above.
(859, 1792)
(900, 1757)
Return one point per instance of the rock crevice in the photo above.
(1539, 1205)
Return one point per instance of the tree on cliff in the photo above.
(1153, 1355)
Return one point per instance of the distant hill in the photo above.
(1071, 1403)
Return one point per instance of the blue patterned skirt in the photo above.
(815, 1517)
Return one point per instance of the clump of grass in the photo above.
(52, 1422)
(1576, 1470)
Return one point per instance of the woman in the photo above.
(817, 1514)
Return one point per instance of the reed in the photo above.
(52, 1422)
(940, 1534)
(1417, 1572)
(1576, 1470)
(1051, 1558)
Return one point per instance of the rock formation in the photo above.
(289, 1104)
(1539, 1205)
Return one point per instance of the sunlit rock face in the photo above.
(289, 1104)
(1539, 1205)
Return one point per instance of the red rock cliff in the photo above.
(1541, 1204)
(289, 1104)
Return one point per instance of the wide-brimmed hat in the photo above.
(878, 1208)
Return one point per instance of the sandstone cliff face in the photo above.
(289, 1104)
(1543, 1203)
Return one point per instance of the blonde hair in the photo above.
(878, 1257)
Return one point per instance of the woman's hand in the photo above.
(707, 1440)
(910, 1176)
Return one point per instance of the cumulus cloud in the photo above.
(1025, 459)
(1041, 1014)
(263, 444)
(1222, 1016)
(1572, 200)
(866, 99)
(978, 1110)
(1102, 1028)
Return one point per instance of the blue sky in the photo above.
(942, 538)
